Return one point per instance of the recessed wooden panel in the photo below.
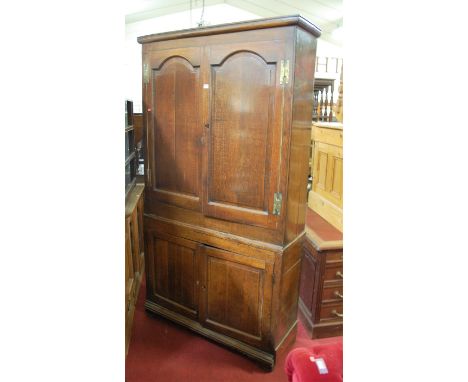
(321, 172)
(239, 135)
(175, 160)
(234, 295)
(326, 197)
(175, 275)
(236, 291)
(243, 160)
(308, 279)
(337, 182)
(176, 116)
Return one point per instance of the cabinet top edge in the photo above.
(272, 22)
(132, 198)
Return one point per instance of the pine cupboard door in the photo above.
(235, 297)
(172, 273)
(172, 90)
(244, 129)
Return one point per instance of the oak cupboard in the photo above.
(227, 116)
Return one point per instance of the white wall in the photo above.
(327, 49)
(216, 14)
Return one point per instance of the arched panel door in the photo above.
(243, 168)
(174, 138)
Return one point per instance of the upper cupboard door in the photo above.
(245, 132)
(174, 131)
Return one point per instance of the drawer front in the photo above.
(329, 312)
(333, 273)
(332, 294)
(334, 256)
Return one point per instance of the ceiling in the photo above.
(326, 14)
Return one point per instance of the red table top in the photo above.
(321, 227)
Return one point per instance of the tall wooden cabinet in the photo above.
(227, 113)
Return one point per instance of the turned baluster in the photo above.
(325, 109)
(320, 105)
(315, 113)
(330, 115)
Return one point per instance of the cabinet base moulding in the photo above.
(319, 330)
(265, 359)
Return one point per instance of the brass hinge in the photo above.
(277, 202)
(284, 72)
(145, 74)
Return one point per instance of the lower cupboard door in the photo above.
(173, 273)
(236, 295)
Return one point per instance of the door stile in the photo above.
(206, 120)
(147, 119)
(201, 283)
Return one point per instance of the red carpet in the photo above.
(161, 351)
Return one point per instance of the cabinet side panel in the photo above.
(309, 266)
(309, 279)
(286, 316)
(304, 70)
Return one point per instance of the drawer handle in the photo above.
(335, 313)
(339, 274)
(338, 294)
